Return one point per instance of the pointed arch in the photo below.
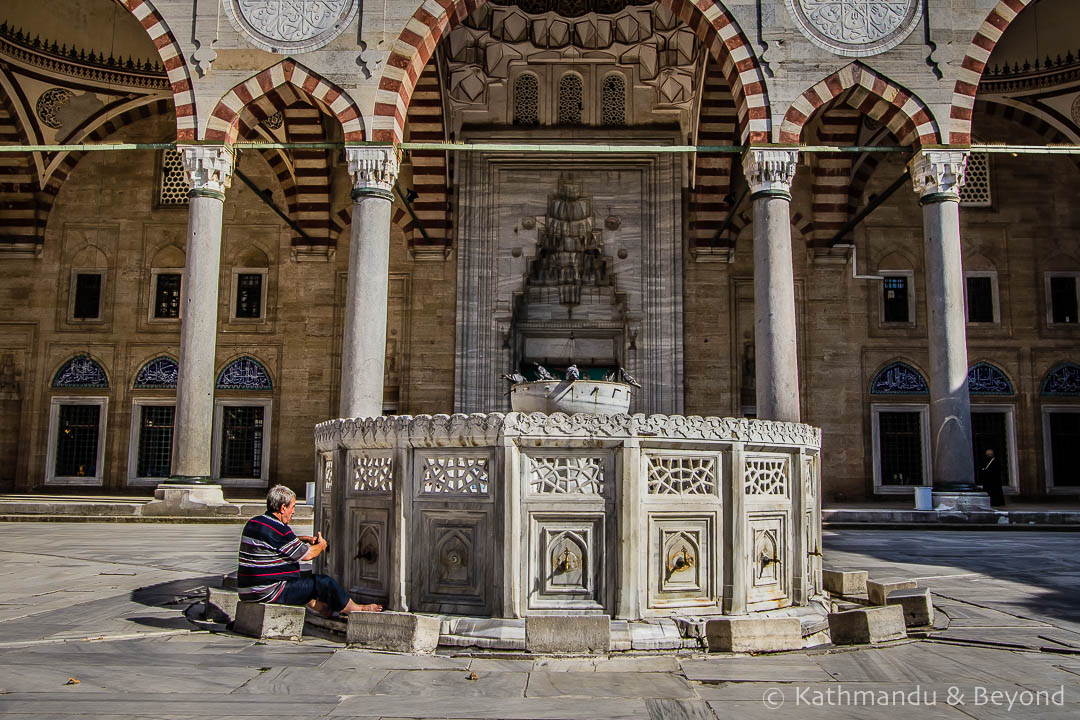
(172, 57)
(224, 122)
(899, 378)
(711, 22)
(973, 65)
(244, 373)
(157, 373)
(872, 94)
(81, 371)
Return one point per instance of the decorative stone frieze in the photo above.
(207, 167)
(373, 168)
(856, 28)
(290, 25)
(770, 170)
(938, 171)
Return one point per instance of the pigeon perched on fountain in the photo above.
(572, 373)
(542, 372)
(628, 378)
(514, 378)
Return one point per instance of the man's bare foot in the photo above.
(353, 607)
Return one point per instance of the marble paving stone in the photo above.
(493, 665)
(156, 705)
(413, 706)
(312, 681)
(668, 709)
(661, 635)
(371, 660)
(757, 710)
(120, 678)
(757, 669)
(451, 684)
(565, 664)
(637, 664)
(607, 684)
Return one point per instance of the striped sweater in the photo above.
(269, 555)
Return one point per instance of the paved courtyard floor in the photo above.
(92, 625)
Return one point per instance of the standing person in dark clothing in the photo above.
(990, 478)
(270, 557)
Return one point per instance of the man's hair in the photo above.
(278, 497)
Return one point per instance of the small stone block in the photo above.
(738, 634)
(568, 633)
(272, 622)
(397, 631)
(620, 636)
(879, 591)
(221, 604)
(229, 581)
(867, 625)
(661, 634)
(917, 605)
(844, 582)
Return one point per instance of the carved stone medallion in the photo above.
(856, 28)
(290, 25)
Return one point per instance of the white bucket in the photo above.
(924, 498)
(311, 494)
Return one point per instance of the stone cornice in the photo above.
(106, 71)
(373, 167)
(770, 169)
(935, 172)
(208, 168)
(485, 430)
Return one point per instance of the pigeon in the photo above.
(572, 373)
(514, 377)
(542, 372)
(628, 378)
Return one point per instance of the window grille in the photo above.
(155, 440)
(242, 441)
(613, 105)
(526, 100)
(172, 185)
(570, 94)
(77, 441)
(901, 448)
(167, 295)
(976, 189)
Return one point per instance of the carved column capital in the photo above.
(938, 172)
(770, 170)
(374, 169)
(207, 168)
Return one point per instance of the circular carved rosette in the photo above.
(285, 26)
(856, 28)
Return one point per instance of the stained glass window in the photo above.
(244, 374)
(81, 371)
(899, 379)
(613, 102)
(570, 99)
(526, 100)
(160, 372)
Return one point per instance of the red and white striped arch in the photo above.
(709, 19)
(224, 122)
(973, 65)
(172, 57)
(883, 100)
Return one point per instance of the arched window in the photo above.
(613, 102)
(570, 94)
(81, 371)
(526, 100)
(899, 378)
(244, 373)
(159, 373)
(1063, 381)
(986, 379)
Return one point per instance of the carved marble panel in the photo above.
(567, 563)
(563, 474)
(452, 474)
(681, 563)
(671, 473)
(453, 556)
(290, 25)
(767, 475)
(327, 473)
(368, 560)
(769, 557)
(371, 473)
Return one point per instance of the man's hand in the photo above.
(318, 546)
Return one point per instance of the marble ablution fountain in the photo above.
(523, 514)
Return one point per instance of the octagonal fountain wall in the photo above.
(508, 515)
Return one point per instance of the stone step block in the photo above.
(568, 633)
(878, 592)
(221, 604)
(493, 633)
(659, 635)
(844, 582)
(620, 636)
(397, 631)
(867, 625)
(749, 634)
(269, 622)
(917, 604)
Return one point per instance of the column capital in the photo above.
(770, 170)
(374, 169)
(938, 172)
(208, 169)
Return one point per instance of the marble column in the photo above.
(209, 172)
(938, 176)
(374, 170)
(769, 173)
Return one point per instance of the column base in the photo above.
(173, 499)
(189, 480)
(950, 501)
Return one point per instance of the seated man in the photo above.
(270, 557)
